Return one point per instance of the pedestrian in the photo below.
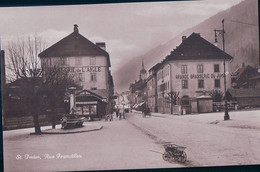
(117, 111)
(121, 112)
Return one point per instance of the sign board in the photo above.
(86, 103)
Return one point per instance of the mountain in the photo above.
(241, 41)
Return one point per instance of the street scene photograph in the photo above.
(127, 86)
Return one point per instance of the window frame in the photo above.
(200, 83)
(216, 68)
(93, 77)
(184, 84)
(184, 69)
(200, 68)
(219, 83)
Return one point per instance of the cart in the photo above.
(68, 122)
(174, 152)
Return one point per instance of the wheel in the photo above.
(183, 157)
(166, 156)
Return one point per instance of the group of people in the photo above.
(120, 113)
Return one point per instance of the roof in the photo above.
(74, 45)
(197, 48)
(99, 93)
(240, 93)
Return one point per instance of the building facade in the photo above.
(89, 64)
(193, 69)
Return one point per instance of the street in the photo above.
(136, 143)
(119, 145)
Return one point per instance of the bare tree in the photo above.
(25, 65)
(172, 98)
(40, 79)
(56, 81)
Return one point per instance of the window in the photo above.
(184, 69)
(78, 60)
(64, 60)
(184, 84)
(217, 83)
(81, 77)
(216, 67)
(200, 68)
(200, 83)
(93, 77)
(185, 100)
(92, 60)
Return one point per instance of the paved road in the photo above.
(210, 141)
(119, 145)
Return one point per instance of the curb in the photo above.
(71, 132)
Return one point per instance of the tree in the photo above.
(56, 82)
(25, 65)
(217, 95)
(40, 80)
(172, 98)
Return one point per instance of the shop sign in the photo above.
(86, 103)
(199, 76)
(85, 69)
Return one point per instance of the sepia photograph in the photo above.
(130, 85)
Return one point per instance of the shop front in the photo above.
(89, 105)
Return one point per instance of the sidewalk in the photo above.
(87, 127)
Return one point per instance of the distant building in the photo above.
(245, 77)
(138, 90)
(90, 64)
(192, 69)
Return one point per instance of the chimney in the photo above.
(183, 38)
(76, 29)
(101, 45)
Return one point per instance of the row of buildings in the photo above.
(186, 79)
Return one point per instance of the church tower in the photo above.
(143, 73)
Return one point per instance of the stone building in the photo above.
(90, 65)
(192, 69)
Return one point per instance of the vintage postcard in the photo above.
(144, 85)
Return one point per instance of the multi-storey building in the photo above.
(191, 70)
(90, 65)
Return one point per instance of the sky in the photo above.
(129, 29)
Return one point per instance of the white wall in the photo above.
(86, 68)
(208, 69)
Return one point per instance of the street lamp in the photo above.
(222, 32)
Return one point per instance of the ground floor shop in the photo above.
(89, 104)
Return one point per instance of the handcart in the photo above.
(174, 152)
(71, 121)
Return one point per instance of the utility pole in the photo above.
(222, 32)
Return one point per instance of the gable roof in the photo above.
(74, 45)
(197, 48)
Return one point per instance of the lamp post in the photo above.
(222, 32)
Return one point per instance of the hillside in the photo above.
(242, 41)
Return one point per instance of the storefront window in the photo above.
(93, 109)
(86, 110)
